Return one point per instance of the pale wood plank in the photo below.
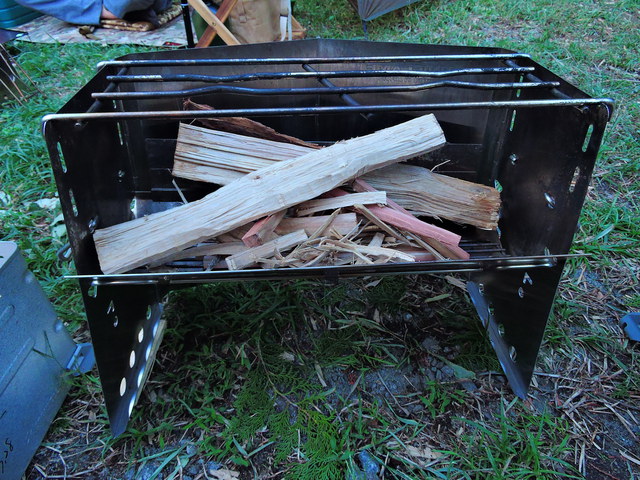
(263, 192)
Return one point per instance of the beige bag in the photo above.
(258, 21)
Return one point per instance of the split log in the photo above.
(131, 244)
(263, 230)
(253, 255)
(221, 157)
(426, 193)
(322, 204)
(414, 188)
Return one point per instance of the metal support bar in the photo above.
(177, 77)
(330, 88)
(280, 61)
(239, 112)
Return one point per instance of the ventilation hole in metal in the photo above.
(527, 279)
(132, 402)
(574, 179)
(498, 186)
(132, 359)
(92, 291)
(551, 202)
(63, 164)
(149, 312)
(123, 386)
(140, 335)
(111, 308)
(74, 207)
(512, 353)
(93, 223)
(513, 121)
(147, 352)
(116, 320)
(140, 376)
(120, 135)
(155, 329)
(521, 292)
(501, 329)
(587, 138)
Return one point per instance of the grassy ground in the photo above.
(307, 380)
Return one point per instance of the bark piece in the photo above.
(245, 126)
(131, 244)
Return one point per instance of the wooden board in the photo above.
(130, 244)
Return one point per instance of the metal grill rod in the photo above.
(321, 90)
(239, 112)
(280, 61)
(166, 77)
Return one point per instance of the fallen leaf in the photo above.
(425, 452)
(224, 474)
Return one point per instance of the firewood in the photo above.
(342, 223)
(263, 230)
(404, 221)
(426, 193)
(436, 248)
(220, 157)
(322, 204)
(266, 191)
(253, 255)
(414, 188)
(245, 126)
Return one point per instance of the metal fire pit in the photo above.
(509, 122)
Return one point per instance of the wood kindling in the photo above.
(263, 230)
(322, 204)
(268, 190)
(342, 223)
(252, 256)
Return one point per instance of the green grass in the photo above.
(238, 376)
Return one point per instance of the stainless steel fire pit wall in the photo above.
(508, 122)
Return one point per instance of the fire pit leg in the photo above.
(514, 306)
(126, 332)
